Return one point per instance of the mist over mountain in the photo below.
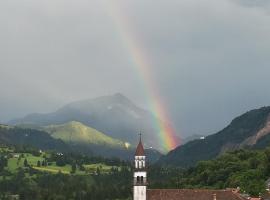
(191, 138)
(114, 115)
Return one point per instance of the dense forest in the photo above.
(29, 184)
(112, 178)
(247, 169)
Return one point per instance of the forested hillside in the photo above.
(49, 175)
(29, 137)
(31, 174)
(247, 169)
(250, 130)
(71, 137)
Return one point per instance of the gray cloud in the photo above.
(253, 3)
(210, 58)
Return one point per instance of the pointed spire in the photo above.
(140, 149)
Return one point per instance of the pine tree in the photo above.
(25, 163)
(73, 168)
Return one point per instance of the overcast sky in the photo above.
(210, 59)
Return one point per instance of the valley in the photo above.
(72, 151)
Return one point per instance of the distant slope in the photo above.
(191, 138)
(115, 115)
(78, 133)
(87, 141)
(30, 137)
(83, 138)
(250, 130)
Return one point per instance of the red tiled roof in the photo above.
(192, 194)
(140, 149)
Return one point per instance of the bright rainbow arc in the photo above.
(169, 140)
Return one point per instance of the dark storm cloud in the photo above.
(210, 58)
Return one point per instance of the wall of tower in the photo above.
(140, 174)
(139, 193)
(139, 178)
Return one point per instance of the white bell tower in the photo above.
(140, 174)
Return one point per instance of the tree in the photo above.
(38, 164)
(73, 168)
(3, 163)
(60, 162)
(25, 163)
(98, 171)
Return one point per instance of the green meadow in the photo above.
(30, 174)
(16, 161)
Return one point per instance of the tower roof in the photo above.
(140, 149)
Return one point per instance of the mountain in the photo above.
(88, 140)
(114, 115)
(29, 137)
(245, 169)
(250, 130)
(71, 137)
(191, 138)
(77, 133)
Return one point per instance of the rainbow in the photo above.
(167, 135)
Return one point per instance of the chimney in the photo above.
(214, 196)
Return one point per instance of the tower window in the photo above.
(141, 178)
(138, 179)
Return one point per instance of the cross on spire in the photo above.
(140, 134)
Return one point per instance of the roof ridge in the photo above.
(192, 194)
(213, 190)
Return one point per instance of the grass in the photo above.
(15, 163)
(93, 167)
(77, 132)
(51, 170)
(89, 169)
(5, 150)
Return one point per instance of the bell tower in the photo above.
(140, 174)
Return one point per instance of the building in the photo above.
(140, 191)
(140, 174)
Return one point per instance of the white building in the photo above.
(140, 174)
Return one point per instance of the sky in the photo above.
(208, 59)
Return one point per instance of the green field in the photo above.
(5, 150)
(92, 168)
(17, 161)
(52, 170)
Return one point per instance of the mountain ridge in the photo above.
(114, 115)
(40, 139)
(246, 131)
